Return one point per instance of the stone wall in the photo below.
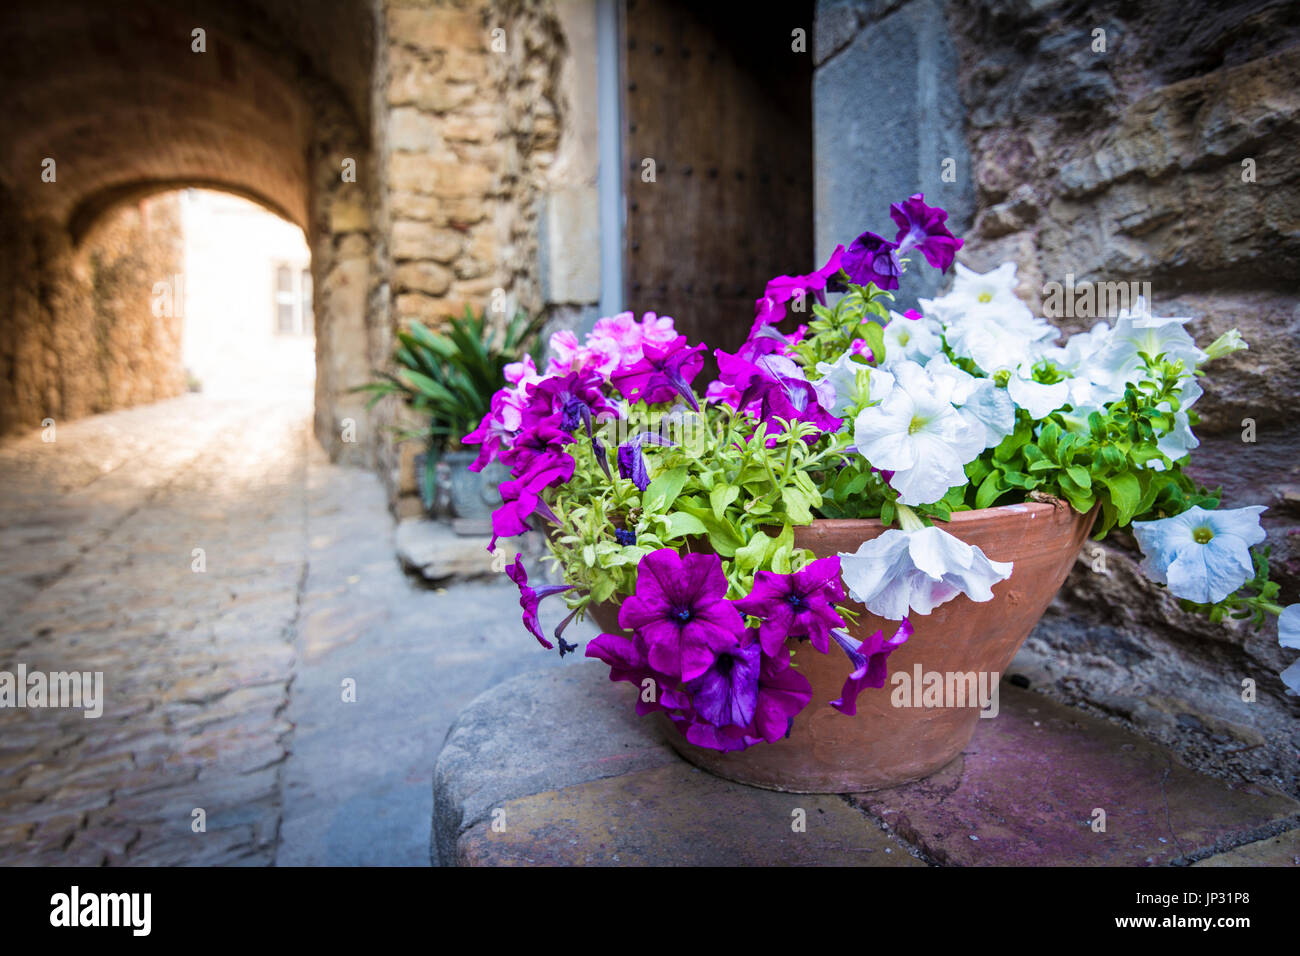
(80, 331)
(1128, 163)
(468, 127)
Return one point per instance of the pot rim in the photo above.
(1032, 509)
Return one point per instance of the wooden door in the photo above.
(718, 111)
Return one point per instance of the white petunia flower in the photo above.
(916, 340)
(916, 571)
(1034, 397)
(1139, 331)
(991, 295)
(979, 401)
(1288, 627)
(1202, 556)
(916, 433)
(853, 383)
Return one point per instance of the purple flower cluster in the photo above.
(725, 685)
(872, 258)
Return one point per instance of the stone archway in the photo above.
(108, 103)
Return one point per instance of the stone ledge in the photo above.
(571, 776)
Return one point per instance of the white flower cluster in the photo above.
(954, 375)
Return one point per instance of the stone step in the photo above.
(554, 767)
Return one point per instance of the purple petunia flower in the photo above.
(922, 227)
(631, 462)
(664, 372)
(781, 694)
(773, 386)
(799, 605)
(872, 258)
(529, 600)
(727, 693)
(869, 663)
(680, 612)
(532, 445)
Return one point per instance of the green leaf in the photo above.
(796, 505)
(681, 524)
(1080, 476)
(1126, 491)
(663, 490)
(722, 496)
(989, 489)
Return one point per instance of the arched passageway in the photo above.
(110, 103)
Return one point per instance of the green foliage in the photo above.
(714, 491)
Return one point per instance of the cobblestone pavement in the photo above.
(224, 688)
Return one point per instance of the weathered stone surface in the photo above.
(484, 763)
(1281, 850)
(1026, 790)
(676, 815)
(900, 68)
(434, 550)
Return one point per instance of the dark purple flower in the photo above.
(529, 599)
(872, 258)
(782, 693)
(770, 309)
(869, 659)
(799, 605)
(680, 612)
(727, 693)
(631, 462)
(624, 537)
(922, 227)
(664, 372)
(564, 401)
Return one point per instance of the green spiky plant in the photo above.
(451, 376)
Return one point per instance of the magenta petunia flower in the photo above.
(798, 605)
(539, 443)
(628, 662)
(770, 309)
(680, 612)
(521, 497)
(773, 386)
(869, 659)
(922, 227)
(529, 600)
(664, 372)
(564, 401)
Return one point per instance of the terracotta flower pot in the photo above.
(886, 745)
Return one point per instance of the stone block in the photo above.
(677, 815)
(1025, 791)
(896, 84)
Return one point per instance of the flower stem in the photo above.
(908, 519)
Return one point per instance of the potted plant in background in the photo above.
(452, 377)
(872, 496)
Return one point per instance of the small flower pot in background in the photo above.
(886, 745)
(474, 495)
